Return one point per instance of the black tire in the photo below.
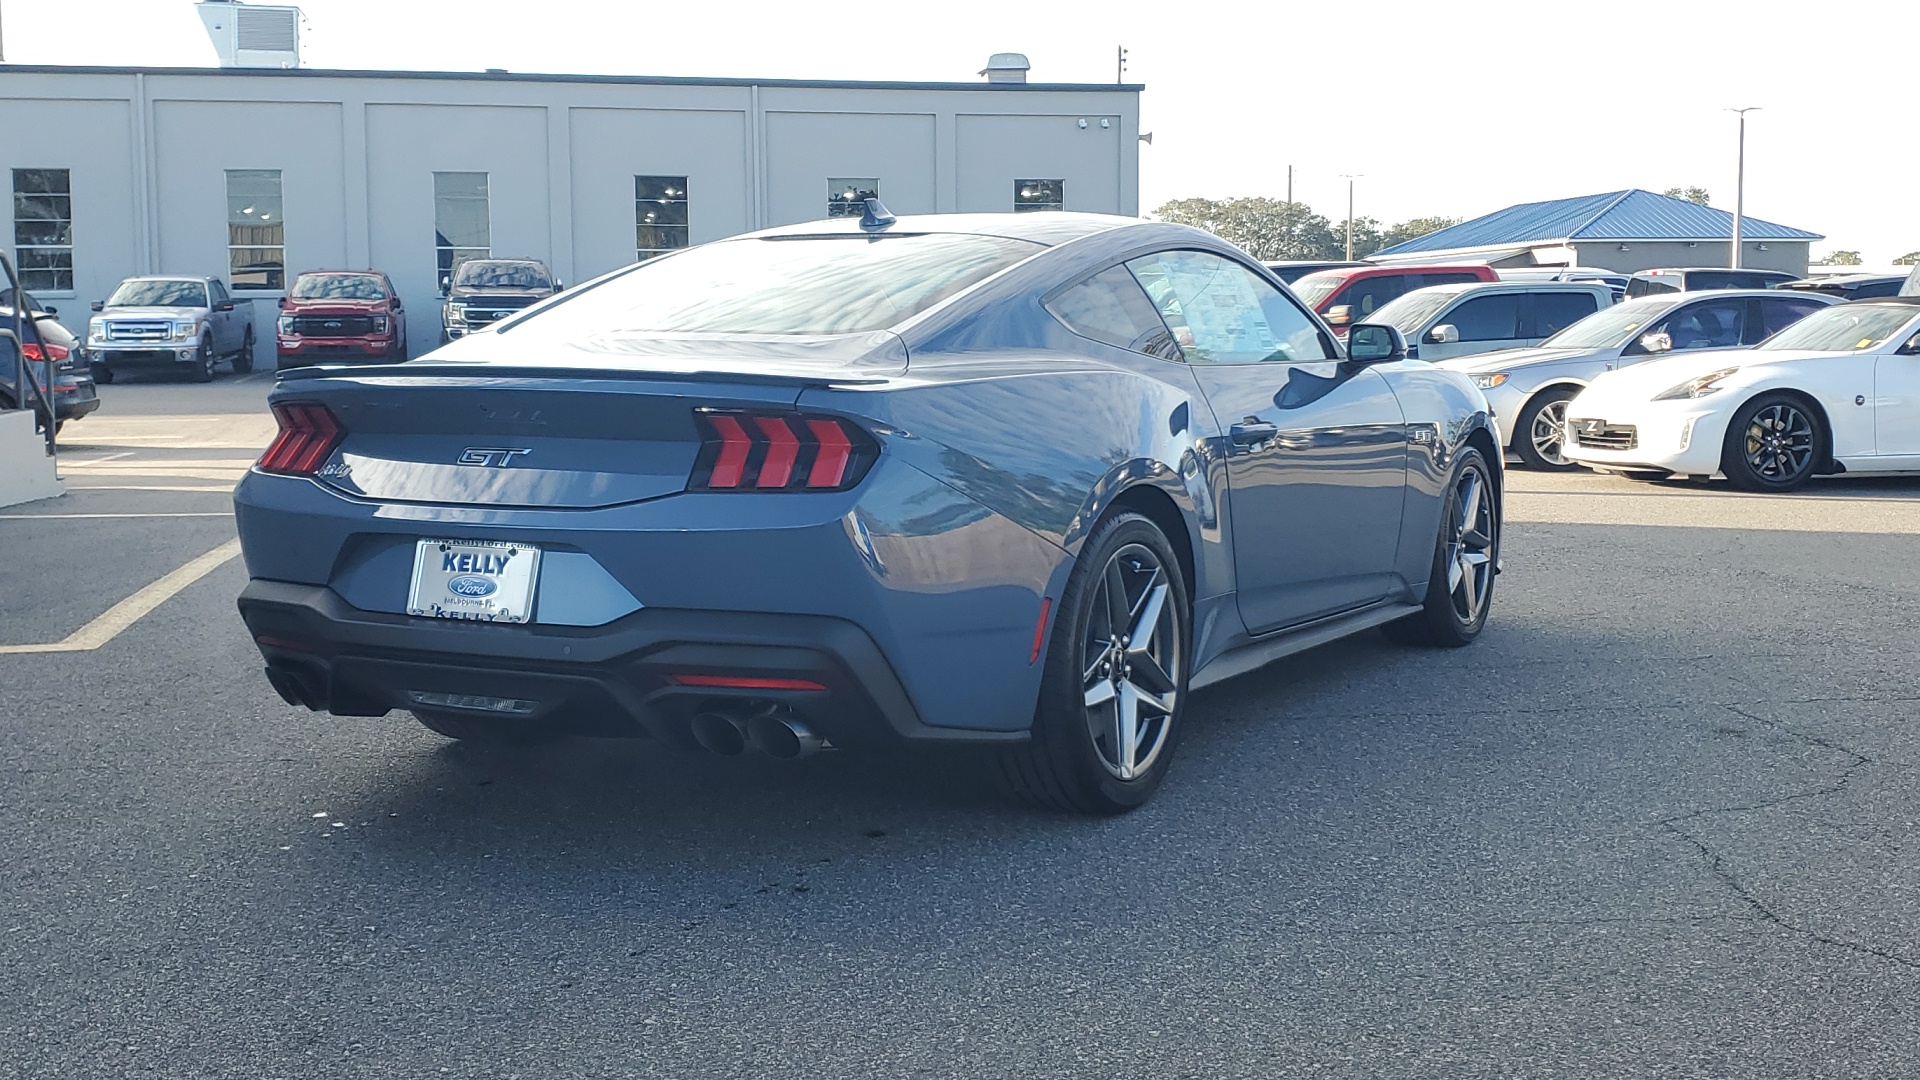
(1456, 608)
(480, 729)
(1775, 443)
(1535, 449)
(406, 350)
(204, 363)
(243, 360)
(1067, 765)
(101, 373)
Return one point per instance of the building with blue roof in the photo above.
(1623, 231)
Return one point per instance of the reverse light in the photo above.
(768, 451)
(308, 436)
(1489, 381)
(1696, 388)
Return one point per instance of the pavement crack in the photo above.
(1717, 864)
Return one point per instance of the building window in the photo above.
(256, 233)
(1039, 195)
(462, 222)
(659, 214)
(847, 196)
(43, 229)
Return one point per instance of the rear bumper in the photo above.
(616, 679)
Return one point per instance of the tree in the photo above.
(1266, 228)
(1841, 258)
(1691, 194)
(1412, 230)
(1908, 259)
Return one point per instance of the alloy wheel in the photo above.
(1470, 548)
(1132, 662)
(1779, 443)
(1549, 429)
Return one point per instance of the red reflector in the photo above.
(836, 450)
(782, 450)
(308, 436)
(1040, 629)
(283, 643)
(734, 445)
(740, 682)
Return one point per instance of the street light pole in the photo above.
(1740, 185)
(1350, 177)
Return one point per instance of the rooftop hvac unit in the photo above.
(253, 35)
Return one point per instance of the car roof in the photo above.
(1458, 287)
(1047, 227)
(1847, 279)
(168, 277)
(362, 273)
(1662, 271)
(1350, 272)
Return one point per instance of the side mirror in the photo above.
(446, 284)
(559, 286)
(1339, 315)
(1656, 343)
(99, 305)
(51, 310)
(283, 303)
(1444, 334)
(224, 305)
(1375, 343)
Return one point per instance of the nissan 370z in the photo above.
(1015, 482)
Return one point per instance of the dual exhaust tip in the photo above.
(730, 730)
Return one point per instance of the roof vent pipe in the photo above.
(1006, 67)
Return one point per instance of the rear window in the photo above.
(1641, 286)
(800, 285)
(1317, 287)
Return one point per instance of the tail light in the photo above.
(31, 350)
(756, 451)
(308, 436)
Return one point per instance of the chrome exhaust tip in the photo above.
(781, 736)
(721, 732)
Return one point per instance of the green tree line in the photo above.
(1275, 229)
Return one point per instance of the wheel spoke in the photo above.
(1476, 540)
(1454, 568)
(1118, 609)
(1470, 502)
(1147, 674)
(1159, 703)
(1148, 616)
(1126, 731)
(1099, 693)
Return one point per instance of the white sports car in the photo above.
(1838, 391)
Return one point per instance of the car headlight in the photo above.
(456, 311)
(182, 331)
(1696, 388)
(97, 329)
(286, 325)
(1489, 381)
(380, 324)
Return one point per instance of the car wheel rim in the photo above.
(1780, 442)
(1549, 428)
(1132, 662)
(1470, 545)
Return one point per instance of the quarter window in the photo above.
(256, 230)
(660, 215)
(1222, 313)
(847, 196)
(43, 228)
(1487, 318)
(1777, 315)
(1029, 195)
(1110, 307)
(462, 220)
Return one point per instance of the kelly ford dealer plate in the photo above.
(491, 581)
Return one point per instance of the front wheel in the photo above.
(1772, 445)
(1466, 558)
(204, 363)
(1116, 676)
(1539, 432)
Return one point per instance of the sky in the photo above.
(1443, 107)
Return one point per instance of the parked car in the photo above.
(1292, 270)
(1851, 286)
(170, 323)
(1697, 278)
(873, 482)
(1529, 388)
(1441, 322)
(484, 291)
(41, 337)
(337, 314)
(1838, 391)
(1912, 287)
(1616, 282)
(1353, 294)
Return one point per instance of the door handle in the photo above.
(1252, 434)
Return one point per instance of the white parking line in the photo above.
(76, 517)
(227, 490)
(131, 610)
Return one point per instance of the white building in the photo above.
(255, 174)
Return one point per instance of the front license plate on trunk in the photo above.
(490, 581)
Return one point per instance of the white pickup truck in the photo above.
(170, 323)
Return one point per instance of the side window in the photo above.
(1777, 315)
(1718, 279)
(1369, 295)
(1222, 313)
(1110, 307)
(1550, 313)
(1487, 318)
(1453, 277)
(1713, 325)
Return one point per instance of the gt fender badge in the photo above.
(498, 457)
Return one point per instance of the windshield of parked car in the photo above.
(149, 293)
(33, 303)
(1611, 328)
(780, 285)
(337, 287)
(1845, 328)
(1317, 287)
(1410, 312)
(503, 275)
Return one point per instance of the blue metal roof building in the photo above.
(1619, 230)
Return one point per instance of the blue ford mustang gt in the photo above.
(1020, 482)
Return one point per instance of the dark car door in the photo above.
(1316, 448)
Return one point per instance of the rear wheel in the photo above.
(1116, 677)
(482, 729)
(203, 364)
(1773, 444)
(1539, 430)
(243, 360)
(1466, 557)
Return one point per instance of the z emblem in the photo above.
(496, 457)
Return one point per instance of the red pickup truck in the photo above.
(1349, 294)
(332, 315)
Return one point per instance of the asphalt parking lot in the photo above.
(1656, 822)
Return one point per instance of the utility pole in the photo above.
(1289, 185)
(1740, 184)
(3, 37)
(1350, 178)
(1120, 64)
